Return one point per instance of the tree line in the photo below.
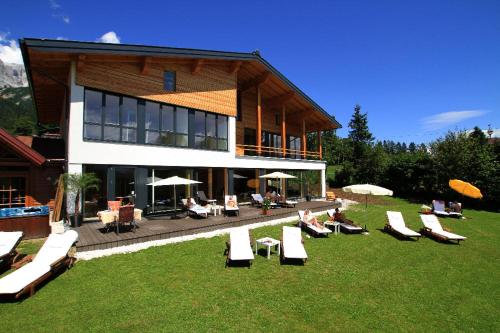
(414, 171)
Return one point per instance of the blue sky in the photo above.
(419, 68)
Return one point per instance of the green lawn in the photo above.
(350, 283)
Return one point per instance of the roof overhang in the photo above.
(21, 149)
(66, 51)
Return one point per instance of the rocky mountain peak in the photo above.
(12, 75)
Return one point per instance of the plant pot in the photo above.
(78, 222)
(266, 212)
(308, 198)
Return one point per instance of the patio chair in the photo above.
(231, 204)
(8, 244)
(195, 209)
(239, 247)
(330, 196)
(433, 228)
(125, 216)
(346, 226)
(292, 245)
(312, 229)
(455, 214)
(257, 199)
(396, 224)
(52, 258)
(114, 205)
(438, 208)
(203, 198)
(288, 203)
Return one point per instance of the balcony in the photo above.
(264, 151)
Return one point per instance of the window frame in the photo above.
(174, 80)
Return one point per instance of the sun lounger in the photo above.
(396, 224)
(52, 258)
(292, 244)
(257, 199)
(438, 208)
(312, 229)
(231, 204)
(433, 228)
(195, 209)
(288, 203)
(239, 247)
(346, 226)
(203, 198)
(8, 243)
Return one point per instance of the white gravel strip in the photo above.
(88, 255)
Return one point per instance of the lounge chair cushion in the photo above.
(317, 230)
(350, 227)
(431, 222)
(19, 279)
(397, 223)
(257, 197)
(56, 247)
(8, 240)
(292, 243)
(439, 209)
(241, 248)
(199, 210)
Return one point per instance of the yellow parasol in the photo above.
(465, 188)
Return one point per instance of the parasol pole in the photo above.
(175, 203)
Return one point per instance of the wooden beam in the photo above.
(304, 138)
(226, 183)
(278, 101)
(80, 61)
(235, 67)
(256, 82)
(210, 182)
(257, 181)
(283, 130)
(258, 135)
(197, 65)
(320, 145)
(146, 62)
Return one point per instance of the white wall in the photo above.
(87, 152)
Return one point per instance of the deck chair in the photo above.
(457, 215)
(330, 196)
(438, 208)
(346, 226)
(125, 216)
(312, 229)
(257, 199)
(8, 244)
(239, 247)
(203, 198)
(396, 224)
(195, 209)
(288, 203)
(52, 258)
(228, 207)
(433, 228)
(292, 244)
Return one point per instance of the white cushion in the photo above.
(19, 279)
(199, 210)
(8, 240)
(241, 248)
(56, 247)
(350, 227)
(292, 243)
(431, 222)
(318, 230)
(450, 235)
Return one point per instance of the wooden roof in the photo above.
(20, 148)
(48, 62)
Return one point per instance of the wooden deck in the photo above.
(92, 236)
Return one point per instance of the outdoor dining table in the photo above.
(111, 216)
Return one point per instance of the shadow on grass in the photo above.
(397, 236)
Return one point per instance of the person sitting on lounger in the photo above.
(455, 207)
(231, 203)
(338, 216)
(310, 219)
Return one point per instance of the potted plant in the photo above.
(76, 184)
(266, 205)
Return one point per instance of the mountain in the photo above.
(17, 113)
(12, 75)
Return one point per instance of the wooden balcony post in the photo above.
(226, 183)
(283, 130)
(258, 135)
(304, 139)
(320, 146)
(210, 182)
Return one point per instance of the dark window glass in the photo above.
(239, 113)
(277, 119)
(129, 135)
(129, 112)
(222, 127)
(112, 110)
(12, 192)
(92, 132)
(199, 123)
(167, 118)
(181, 121)
(167, 138)
(93, 107)
(249, 139)
(153, 137)
(169, 81)
(211, 125)
(222, 144)
(152, 116)
(111, 133)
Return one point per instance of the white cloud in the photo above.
(9, 50)
(54, 4)
(61, 38)
(65, 19)
(446, 119)
(109, 37)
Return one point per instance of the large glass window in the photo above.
(169, 81)
(129, 119)
(211, 131)
(181, 127)
(12, 192)
(167, 125)
(93, 115)
(222, 132)
(152, 123)
(199, 130)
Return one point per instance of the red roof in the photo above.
(20, 148)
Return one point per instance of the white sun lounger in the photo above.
(8, 244)
(345, 227)
(438, 208)
(52, 257)
(433, 228)
(396, 224)
(239, 246)
(292, 244)
(312, 228)
(236, 209)
(257, 199)
(195, 208)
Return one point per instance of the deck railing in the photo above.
(251, 150)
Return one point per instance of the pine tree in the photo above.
(359, 133)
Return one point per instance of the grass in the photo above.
(350, 283)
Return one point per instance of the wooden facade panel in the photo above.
(212, 89)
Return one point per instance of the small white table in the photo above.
(333, 226)
(268, 242)
(215, 209)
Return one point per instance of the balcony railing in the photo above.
(251, 150)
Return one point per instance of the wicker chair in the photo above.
(125, 216)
